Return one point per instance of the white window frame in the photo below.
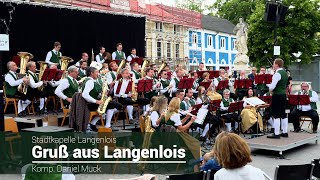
(223, 43)
(159, 26)
(234, 44)
(209, 40)
(194, 38)
(159, 49)
(169, 50)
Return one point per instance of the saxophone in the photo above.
(43, 66)
(106, 100)
(121, 65)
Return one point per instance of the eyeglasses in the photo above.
(226, 94)
(165, 74)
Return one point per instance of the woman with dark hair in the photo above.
(249, 115)
(233, 154)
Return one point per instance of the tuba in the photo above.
(64, 64)
(164, 64)
(43, 66)
(144, 66)
(106, 100)
(24, 59)
(121, 65)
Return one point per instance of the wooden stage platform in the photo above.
(283, 144)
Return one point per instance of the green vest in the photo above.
(36, 80)
(312, 104)
(282, 84)
(81, 74)
(113, 76)
(55, 175)
(100, 57)
(169, 121)
(55, 57)
(73, 88)
(165, 84)
(192, 102)
(227, 103)
(137, 74)
(119, 56)
(97, 89)
(177, 82)
(183, 106)
(11, 90)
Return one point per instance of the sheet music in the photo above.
(254, 101)
(202, 113)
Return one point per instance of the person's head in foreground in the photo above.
(233, 154)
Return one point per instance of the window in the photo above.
(194, 38)
(159, 49)
(159, 26)
(209, 41)
(177, 50)
(222, 43)
(176, 29)
(233, 44)
(169, 50)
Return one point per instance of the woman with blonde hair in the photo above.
(202, 97)
(172, 116)
(158, 110)
(233, 154)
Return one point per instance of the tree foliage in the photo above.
(194, 5)
(298, 35)
(234, 9)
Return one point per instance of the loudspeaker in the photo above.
(271, 12)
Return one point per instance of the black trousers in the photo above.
(278, 106)
(295, 114)
(241, 93)
(18, 95)
(111, 105)
(260, 92)
(128, 101)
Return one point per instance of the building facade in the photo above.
(213, 44)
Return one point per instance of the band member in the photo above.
(174, 73)
(118, 54)
(201, 67)
(158, 111)
(136, 75)
(11, 87)
(309, 110)
(53, 55)
(195, 84)
(180, 94)
(34, 84)
(262, 88)
(99, 57)
(224, 106)
(84, 58)
(222, 76)
(166, 87)
(52, 85)
(241, 92)
(82, 69)
(176, 79)
(278, 106)
(132, 55)
(150, 105)
(123, 90)
(156, 85)
(249, 115)
(112, 75)
(202, 96)
(189, 100)
(253, 73)
(68, 86)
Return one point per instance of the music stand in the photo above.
(138, 60)
(298, 100)
(263, 79)
(214, 105)
(223, 84)
(236, 107)
(205, 84)
(196, 108)
(186, 83)
(169, 73)
(144, 85)
(243, 83)
(58, 75)
(212, 74)
(48, 74)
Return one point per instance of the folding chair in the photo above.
(210, 174)
(294, 172)
(8, 100)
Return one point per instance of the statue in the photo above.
(241, 30)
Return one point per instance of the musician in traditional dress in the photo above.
(132, 55)
(195, 84)
(82, 69)
(262, 88)
(249, 116)
(123, 90)
(278, 106)
(11, 87)
(99, 57)
(112, 75)
(35, 83)
(172, 116)
(158, 111)
(202, 96)
(201, 67)
(224, 106)
(84, 57)
(222, 76)
(52, 85)
(165, 84)
(53, 55)
(309, 110)
(155, 84)
(151, 104)
(176, 79)
(118, 54)
(68, 86)
(135, 68)
(189, 100)
(253, 73)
